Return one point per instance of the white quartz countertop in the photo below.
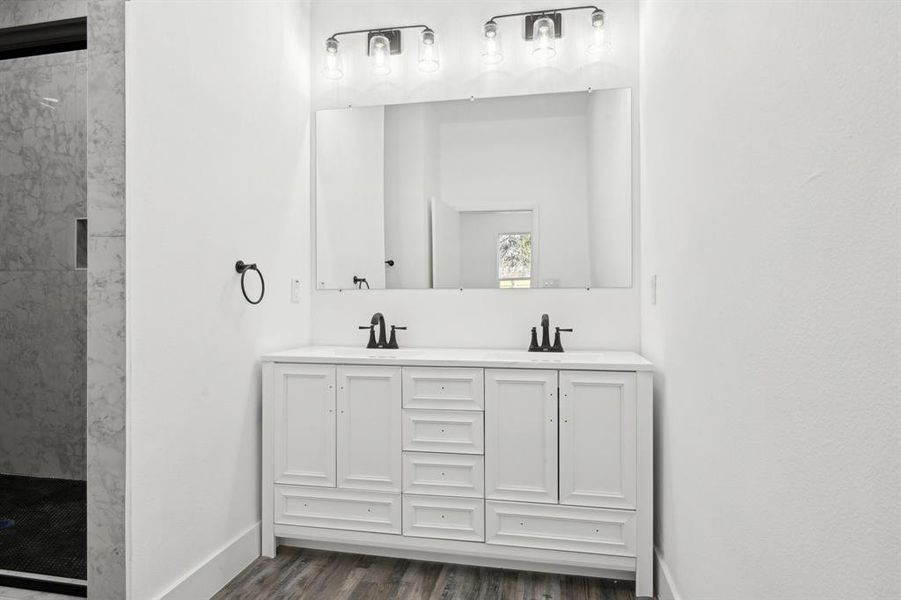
(586, 360)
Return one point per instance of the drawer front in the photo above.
(444, 474)
(594, 530)
(444, 388)
(454, 431)
(444, 518)
(338, 509)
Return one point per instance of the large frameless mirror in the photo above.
(511, 192)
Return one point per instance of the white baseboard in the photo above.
(666, 587)
(220, 568)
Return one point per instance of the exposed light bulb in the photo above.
(491, 44)
(331, 67)
(428, 51)
(600, 35)
(543, 43)
(380, 54)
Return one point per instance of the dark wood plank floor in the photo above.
(311, 574)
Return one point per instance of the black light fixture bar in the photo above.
(392, 33)
(44, 38)
(552, 13)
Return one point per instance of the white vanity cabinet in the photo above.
(303, 405)
(598, 437)
(521, 435)
(369, 428)
(490, 458)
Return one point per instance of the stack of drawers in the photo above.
(443, 453)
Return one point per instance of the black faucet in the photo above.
(377, 319)
(381, 342)
(545, 333)
(546, 337)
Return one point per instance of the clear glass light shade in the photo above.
(428, 52)
(380, 55)
(543, 42)
(332, 65)
(600, 34)
(491, 44)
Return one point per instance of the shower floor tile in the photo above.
(48, 529)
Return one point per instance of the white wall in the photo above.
(350, 175)
(523, 154)
(218, 170)
(609, 185)
(411, 180)
(770, 162)
(603, 318)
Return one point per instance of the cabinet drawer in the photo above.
(444, 518)
(594, 530)
(444, 474)
(337, 509)
(444, 388)
(454, 431)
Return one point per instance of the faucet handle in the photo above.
(558, 347)
(533, 343)
(372, 343)
(392, 342)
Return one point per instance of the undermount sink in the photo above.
(549, 357)
(374, 353)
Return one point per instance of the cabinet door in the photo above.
(304, 436)
(369, 428)
(521, 435)
(597, 439)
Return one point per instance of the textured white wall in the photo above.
(218, 155)
(770, 161)
(603, 318)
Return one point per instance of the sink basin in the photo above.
(373, 353)
(545, 357)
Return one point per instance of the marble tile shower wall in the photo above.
(43, 303)
(106, 300)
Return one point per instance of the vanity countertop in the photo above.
(585, 360)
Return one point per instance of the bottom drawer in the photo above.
(444, 517)
(337, 509)
(595, 530)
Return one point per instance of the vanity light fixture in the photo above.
(543, 44)
(491, 44)
(428, 51)
(381, 44)
(600, 36)
(542, 28)
(333, 67)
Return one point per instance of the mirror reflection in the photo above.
(513, 192)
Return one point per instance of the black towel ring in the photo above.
(242, 268)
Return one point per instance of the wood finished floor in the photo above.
(311, 574)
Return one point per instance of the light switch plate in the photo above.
(654, 289)
(295, 291)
